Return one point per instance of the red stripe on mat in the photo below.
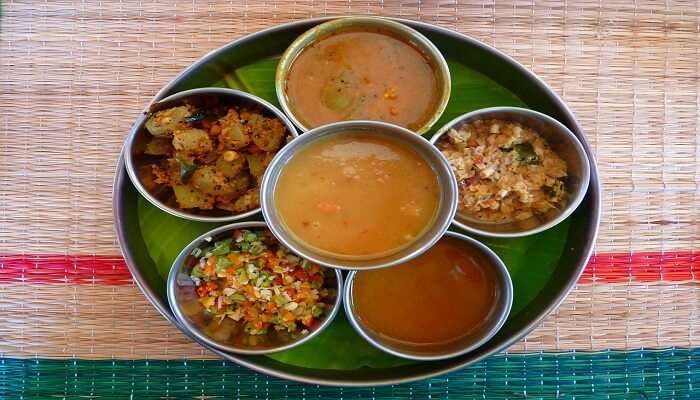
(111, 270)
(642, 267)
(108, 270)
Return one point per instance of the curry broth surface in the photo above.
(362, 75)
(357, 195)
(438, 297)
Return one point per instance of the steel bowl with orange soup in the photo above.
(374, 69)
(350, 195)
(444, 302)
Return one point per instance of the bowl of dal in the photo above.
(444, 303)
(363, 68)
(359, 195)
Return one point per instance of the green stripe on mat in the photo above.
(641, 374)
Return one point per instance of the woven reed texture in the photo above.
(73, 76)
(671, 373)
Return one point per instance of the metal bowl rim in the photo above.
(267, 188)
(570, 208)
(186, 93)
(567, 113)
(500, 321)
(298, 45)
(194, 331)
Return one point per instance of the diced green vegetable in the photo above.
(526, 153)
(222, 263)
(221, 247)
(197, 272)
(339, 93)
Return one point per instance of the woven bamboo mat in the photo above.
(73, 76)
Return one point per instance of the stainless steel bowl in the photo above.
(398, 29)
(194, 318)
(561, 140)
(133, 159)
(495, 319)
(443, 172)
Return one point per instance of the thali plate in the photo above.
(544, 267)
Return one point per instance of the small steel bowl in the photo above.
(495, 319)
(399, 30)
(561, 140)
(443, 172)
(194, 318)
(135, 159)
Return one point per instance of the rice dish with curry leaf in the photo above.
(506, 172)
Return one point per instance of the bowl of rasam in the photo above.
(446, 302)
(359, 194)
(363, 68)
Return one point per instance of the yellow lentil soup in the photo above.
(357, 195)
(354, 75)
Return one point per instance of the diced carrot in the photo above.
(289, 317)
(249, 290)
(210, 267)
(291, 292)
(299, 274)
(328, 207)
(308, 321)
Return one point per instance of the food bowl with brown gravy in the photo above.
(446, 302)
(363, 68)
(238, 289)
(519, 172)
(359, 195)
(200, 154)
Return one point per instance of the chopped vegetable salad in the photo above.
(252, 279)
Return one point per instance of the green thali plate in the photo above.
(544, 267)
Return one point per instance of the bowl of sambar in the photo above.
(363, 68)
(359, 195)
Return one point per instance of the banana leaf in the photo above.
(531, 260)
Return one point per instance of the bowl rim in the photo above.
(504, 279)
(570, 208)
(567, 114)
(442, 69)
(194, 331)
(268, 185)
(128, 144)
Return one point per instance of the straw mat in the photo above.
(75, 74)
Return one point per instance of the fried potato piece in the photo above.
(192, 142)
(189, 197)
(249, 201)
(240, 187)
(240, 184)
(210, 181)
(234, 134)
(165, 122)
(230, 163)
(159, 146)
(258, 162)
(268, 133)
